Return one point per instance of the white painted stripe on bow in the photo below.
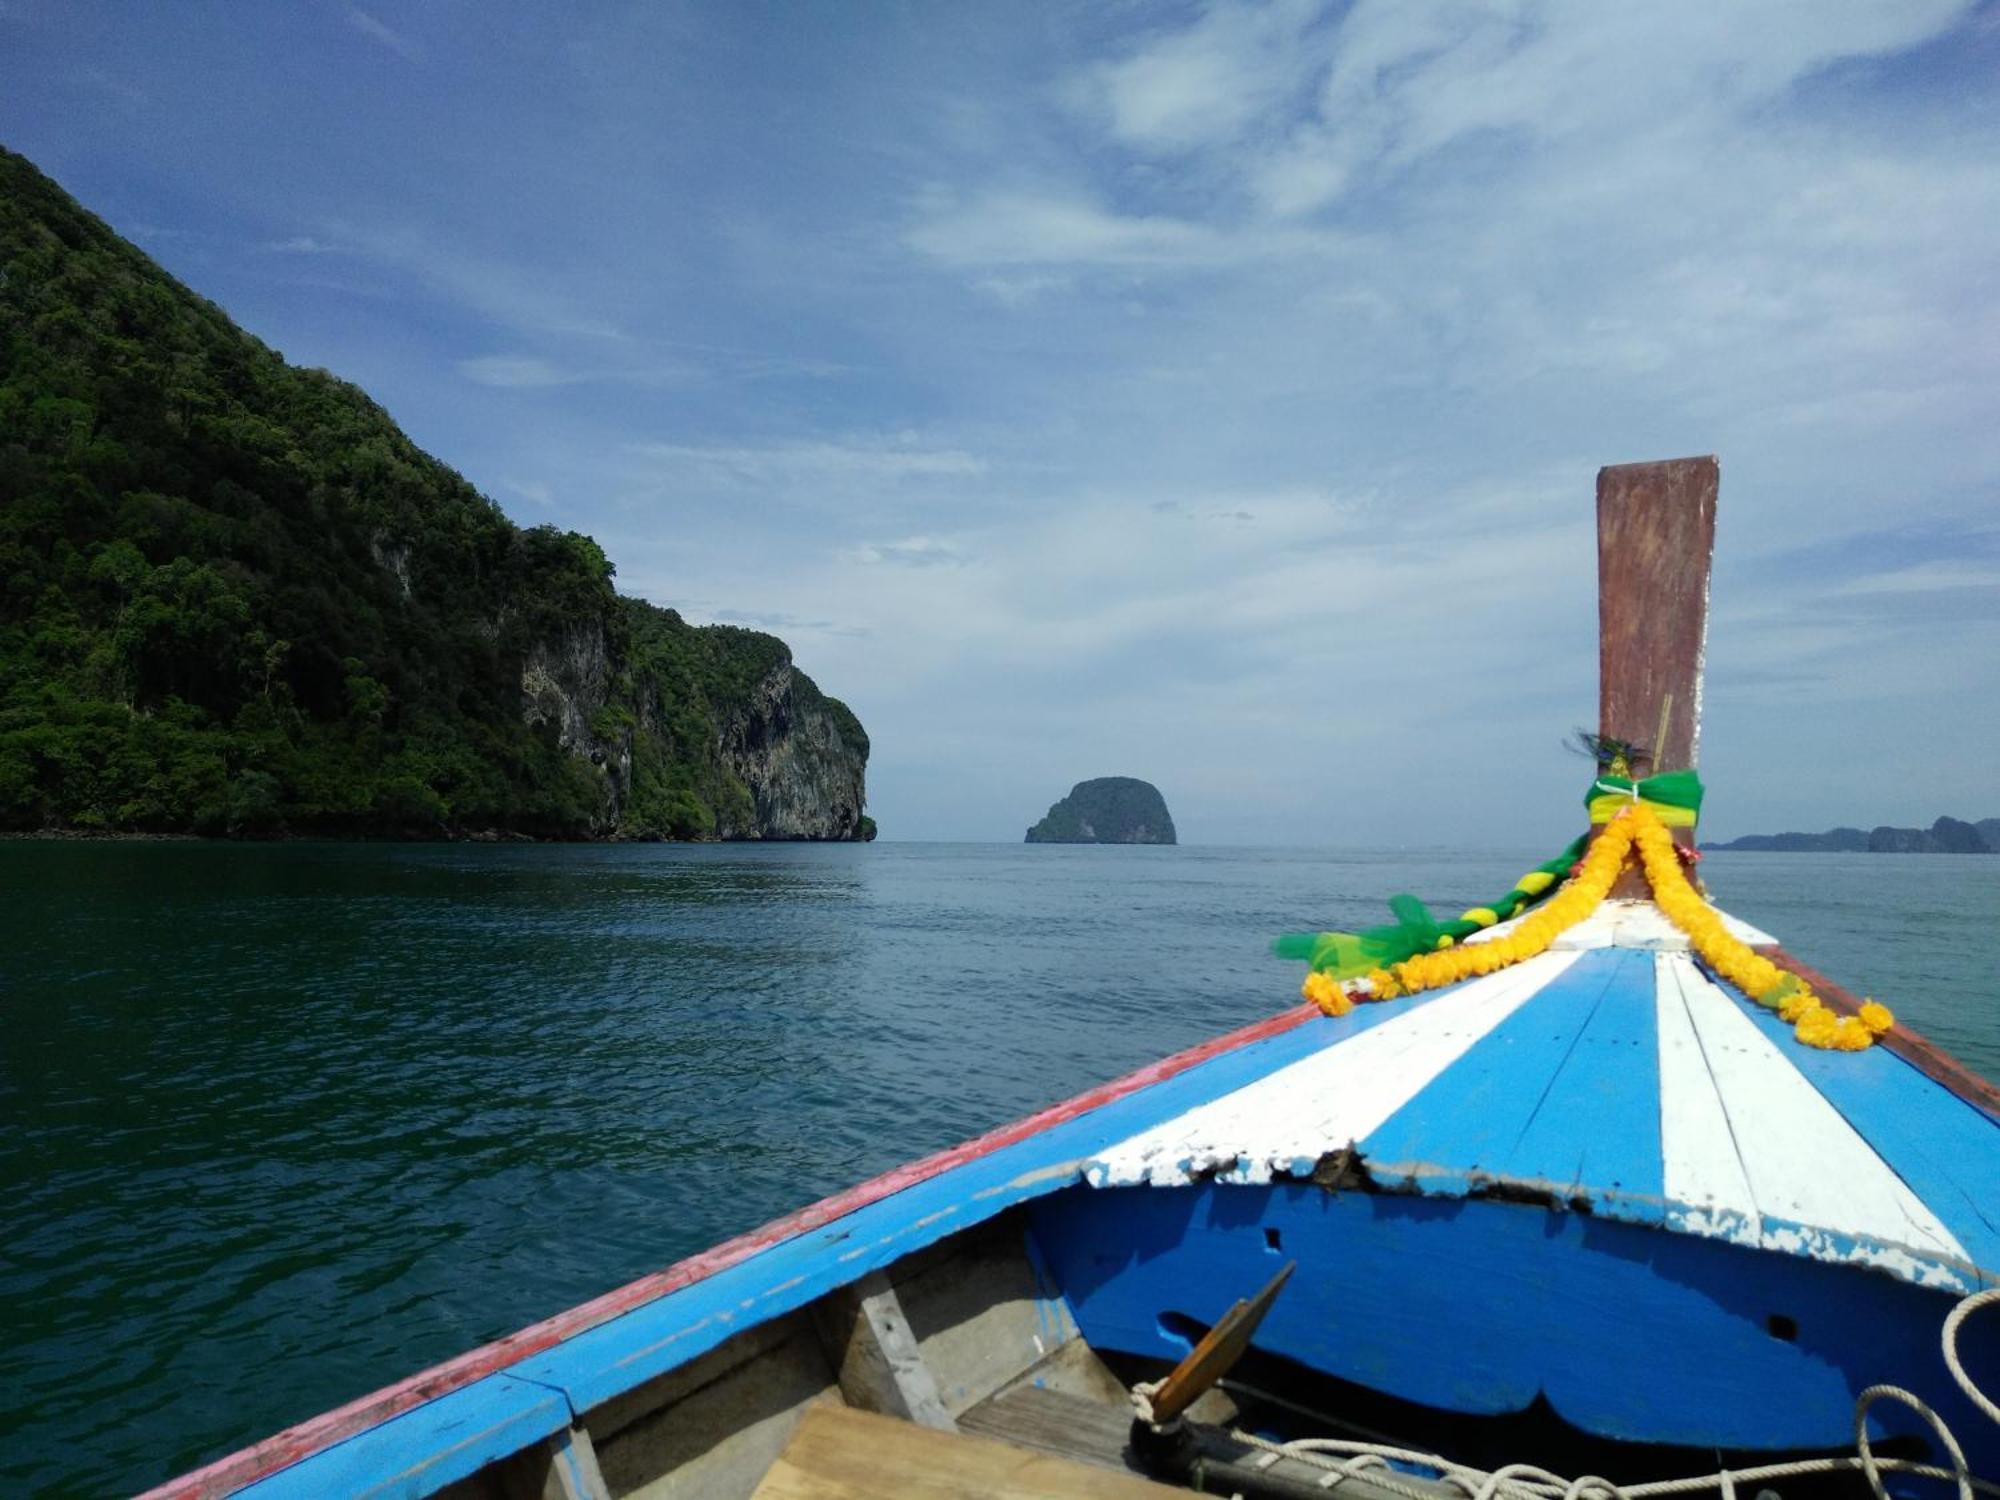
(1754, 1152)
(1318, 1104)
(1630, 924)
(1706, 1183)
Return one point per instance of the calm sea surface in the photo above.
(284, 1123)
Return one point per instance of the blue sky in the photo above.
(1208, 393)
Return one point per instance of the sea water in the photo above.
(284, 1123)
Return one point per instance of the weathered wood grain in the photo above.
(1096, 1432)
(718, 1441)
(1092, 1432)
(1655, 542)
(980, 1319)
(562, 1467)
(1812, 1181)
(848, 1455)
(868, 1338)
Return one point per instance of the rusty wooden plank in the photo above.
(1655, 542)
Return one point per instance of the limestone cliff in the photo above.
(691, 732)
(802, 756)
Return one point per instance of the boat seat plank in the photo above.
(1092, 1432)
(1096, 1432)
(842, 1454)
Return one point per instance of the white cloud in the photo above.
(515, 372)
(1025, 228)
(911, 552)
(299, 244)
(531, 490)
(1044, 227)
(515, 297)
(376, 31)
(888, 459)
(1933, 576)
(1207, 82)
(129, 95)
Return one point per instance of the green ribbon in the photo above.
(1674, 795)
(1415, 930)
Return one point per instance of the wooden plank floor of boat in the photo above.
(839, 1453)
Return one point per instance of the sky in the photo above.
(1206, 393)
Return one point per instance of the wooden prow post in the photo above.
(1655, 541)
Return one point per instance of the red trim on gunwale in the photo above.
(247, 1465)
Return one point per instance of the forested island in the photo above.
(236, 599)
(1945, 836)
(1107, 810)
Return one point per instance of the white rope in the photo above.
(1959, 1314)
(1343, 1458)
(1871, 1467)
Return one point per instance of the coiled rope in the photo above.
(1343, 1459)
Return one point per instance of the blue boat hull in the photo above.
(1478, 1307)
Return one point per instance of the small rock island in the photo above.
(1107, 810)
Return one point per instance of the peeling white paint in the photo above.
(1288, 1119)
(1749, 1140)
(1753, 1153)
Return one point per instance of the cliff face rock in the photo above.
(774, 759)
(565, 689)
(802, 757)
(1953, 836)
(1107, 810)
(1945, 836)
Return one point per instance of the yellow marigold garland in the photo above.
(1589, 883)
(1752, 973)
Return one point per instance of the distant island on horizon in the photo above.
(1945, 836)
(1107, 810)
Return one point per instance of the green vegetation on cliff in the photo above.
(1107, 810)
(234, 597)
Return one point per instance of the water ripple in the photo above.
(287, 1123)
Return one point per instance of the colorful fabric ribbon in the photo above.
(1345, 954)
(1674, 796)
